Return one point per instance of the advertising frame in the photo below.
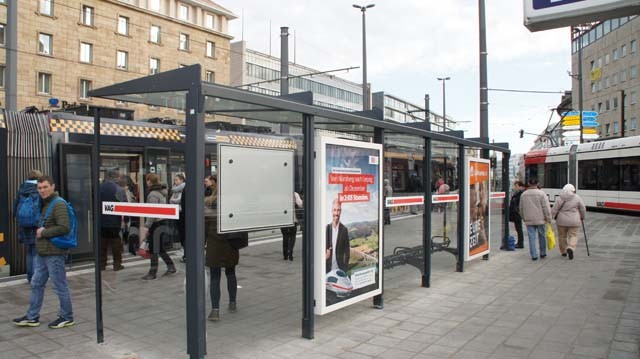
(480, 209)
(323, 209)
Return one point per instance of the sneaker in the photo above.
(26, 322)
(118, 267)
(570, 251)
(61, 323)
(564, 254)
(232, 307)
(543, 256)
(534, 258)
(149, 276)
(169, 272)
(519, 246)
(214, 316)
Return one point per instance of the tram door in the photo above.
(76, 187)
(157, 161)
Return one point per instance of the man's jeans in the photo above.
(540, 230)
(45, 267)
(31, 254)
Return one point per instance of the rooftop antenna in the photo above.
(269, 37)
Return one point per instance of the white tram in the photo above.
(607, 173)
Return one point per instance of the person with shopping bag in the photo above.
(569, 211)
(536, 213)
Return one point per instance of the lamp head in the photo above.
(370, 6)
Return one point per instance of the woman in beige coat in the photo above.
(569, 211)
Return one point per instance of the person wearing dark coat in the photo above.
(111, 225)
(337, 242)
(157, 194)
(219, 254)
(514, 212)
(27, 235)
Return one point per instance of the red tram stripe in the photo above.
(618, 205)
(145, 210)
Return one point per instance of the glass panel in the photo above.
(444, 216)
(175, 99)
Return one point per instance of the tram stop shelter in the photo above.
(295, 116)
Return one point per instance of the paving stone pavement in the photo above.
(506, 307)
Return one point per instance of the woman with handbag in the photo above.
(219, 254)
(157, 194)
(568, 211)
(177, 197)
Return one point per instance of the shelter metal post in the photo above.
(97, 206)
(426, 216)
(378, 137)
(505, 187)
(308, 303)
(461, 205)
(194, 224)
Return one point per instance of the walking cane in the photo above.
(585, 237)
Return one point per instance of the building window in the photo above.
(615, 127)
(615, 79)
(615, 54)
(85, 87)
(599, 107)
(45, 42)
(209, 21)
(123, 25)
(599, 62)
(634, 46)
(154, 66)
(122, 60)
(2, 37)
(633, 72)
(87, 15)
(2, 68)
(607, 59)
(184, 42)
(183, 12)
(607, 83)
(593, 87)
(633, 98)
(44, 83)
(607, 105)
(154, 5)
(211, 49)
(623, 51)
(607, 130)
(210, 76)
(599, 85)
(593, 65)
(623, 75)
(86, 52)
(154, 34)
(615, 103)
(634, 123)
(46, 7)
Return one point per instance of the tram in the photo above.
(607, 173)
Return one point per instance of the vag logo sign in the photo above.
(543, 4)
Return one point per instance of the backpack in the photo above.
(69, 240)
(28, 211)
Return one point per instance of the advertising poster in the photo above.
(477, 208)
(348, 241)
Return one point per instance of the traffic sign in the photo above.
(589, 131)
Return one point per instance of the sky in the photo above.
(410, 43)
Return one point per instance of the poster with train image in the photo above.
(348, 227)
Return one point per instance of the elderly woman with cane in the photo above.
(568, 211)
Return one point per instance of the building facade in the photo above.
(258, 72)
(610, 83)
(68, 47)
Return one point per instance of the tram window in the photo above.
(555, 175)
(588, 175)
(630, 173)
(610, 179)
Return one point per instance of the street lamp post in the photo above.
(444, 101)
(365, 92)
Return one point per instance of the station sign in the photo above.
(549, 14)
(164, 211)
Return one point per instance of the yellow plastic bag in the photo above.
(551, 237)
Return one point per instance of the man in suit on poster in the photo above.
(337, 241)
